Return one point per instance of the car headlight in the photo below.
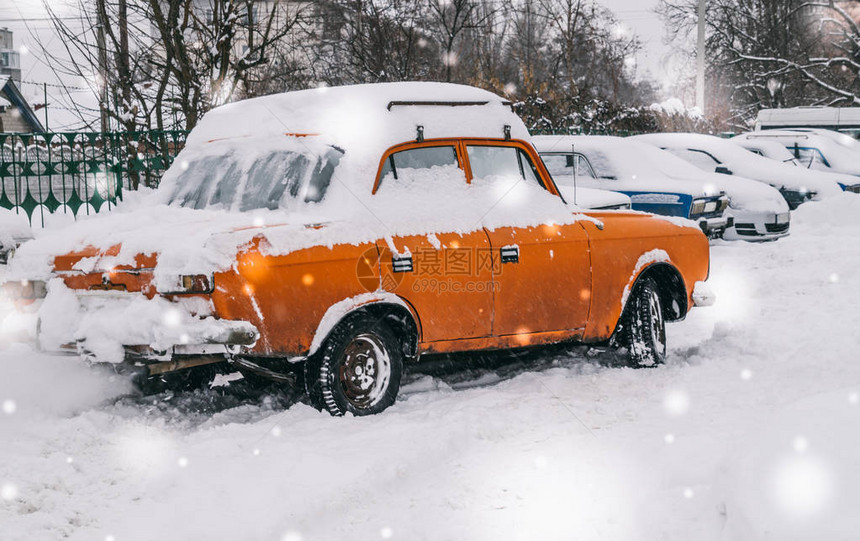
(185, 284)
(698, 207)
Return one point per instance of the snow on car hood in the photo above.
(639, 166)
(744, 163)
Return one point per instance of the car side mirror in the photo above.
(723, 170)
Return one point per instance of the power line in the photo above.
(34, 19)
(64, 87)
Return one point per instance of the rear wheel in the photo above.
(643, 329)
(357, 369)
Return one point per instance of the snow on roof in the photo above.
(842, 157)
(767, 148)
(745, 163)
(362, 120)
(637, 166)
(365, 117)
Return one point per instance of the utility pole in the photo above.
(700, 60)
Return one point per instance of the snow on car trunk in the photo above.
(746, 433)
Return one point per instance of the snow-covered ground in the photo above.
(751, 431)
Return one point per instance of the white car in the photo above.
(659, 182)
(718, 155)
(819, 150)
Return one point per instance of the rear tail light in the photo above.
(187, 284)
(26, 289)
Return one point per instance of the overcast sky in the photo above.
(24, 17)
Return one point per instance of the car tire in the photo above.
(643, 328)
(357, 369)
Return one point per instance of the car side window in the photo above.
(502, 161)
(566, 165)
(809, 157)
(411, 159)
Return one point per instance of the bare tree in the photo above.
(775, 53)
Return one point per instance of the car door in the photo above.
(543, 275)
(446, 276)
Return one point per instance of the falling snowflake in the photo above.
(802, 485)
(182, 462)
(676, 402)
(291, 536)
(800, 444)
(172, 318)
(746, 374)
(9, 407)
(669, 438)
(688, 493)
(8, 491)
(386, 533)
(276, 431)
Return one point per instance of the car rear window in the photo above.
(272, 180)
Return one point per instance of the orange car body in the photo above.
(487, 287)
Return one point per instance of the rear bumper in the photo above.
(111, 326)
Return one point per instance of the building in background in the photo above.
(16, 115)
(10, 59)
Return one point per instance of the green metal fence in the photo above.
(80, 173)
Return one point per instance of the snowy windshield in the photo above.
(272, 180)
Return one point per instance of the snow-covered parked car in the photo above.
(578, 162)
(14, 230)
(658, 182)
(350, 230)
(719, 155)
(824, 151)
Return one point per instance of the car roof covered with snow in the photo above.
(768, 149)
(723, 152)
(841, 155)
(638, 166)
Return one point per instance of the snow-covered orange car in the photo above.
(353, 230)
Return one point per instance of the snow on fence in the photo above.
(80, 173)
